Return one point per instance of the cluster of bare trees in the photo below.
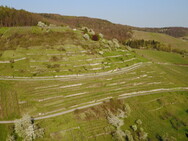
(13, 17)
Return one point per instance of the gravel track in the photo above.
(123, 96)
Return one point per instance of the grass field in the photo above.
(163, 38)
(9, 108)
(163, 57)
(160, 113)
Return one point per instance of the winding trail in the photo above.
(75, 76)
(122, 96)
(15, 60)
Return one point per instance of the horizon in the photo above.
(171, 13)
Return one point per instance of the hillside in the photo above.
(12, 17)
(176, 43)
(72, 84)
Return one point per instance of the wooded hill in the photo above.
(172, 31)
(12, 17)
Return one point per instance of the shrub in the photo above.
(85, 29)
(166, 137)
(86, 36)
(128, 135)
(101, 35)
(54, 58)
(139, 122)
(127, 109)
(134, 127)
(11, 138)
(91, 32)
(119, 135)
(61, 49)
(110, 43)
(143, 135)
(116, 43)
(114, 120)
(41, 24)
(95, 37)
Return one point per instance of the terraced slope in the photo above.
(64, 83)
(65, 56)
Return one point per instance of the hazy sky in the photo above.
(142, 13)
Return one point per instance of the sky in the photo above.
(140, 13)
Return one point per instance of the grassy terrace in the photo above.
(68, 53)
(164, 110)
(49, 62)
(48, 97)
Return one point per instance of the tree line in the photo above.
(12, 17)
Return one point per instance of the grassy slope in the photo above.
(8, 101)
(166, 113)
(161, 113)
(164, 57)
(3, 132)
(9, 108)
(163, 38)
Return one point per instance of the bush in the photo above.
(119, 135)
(61, 49)
(134, 127)
(86, 36)
(116, 43)
(114, 120)
(143, 135)
(101, 35)
(96, 37)
(128, 135)
(139, 122)
(41, 24)
(127, 109)
(11, 138)
(54, 58)
(26, 129)
(166, 137)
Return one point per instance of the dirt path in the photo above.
(68, 77)
(15, 60)
(123, 96)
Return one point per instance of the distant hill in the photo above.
(172, 31)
